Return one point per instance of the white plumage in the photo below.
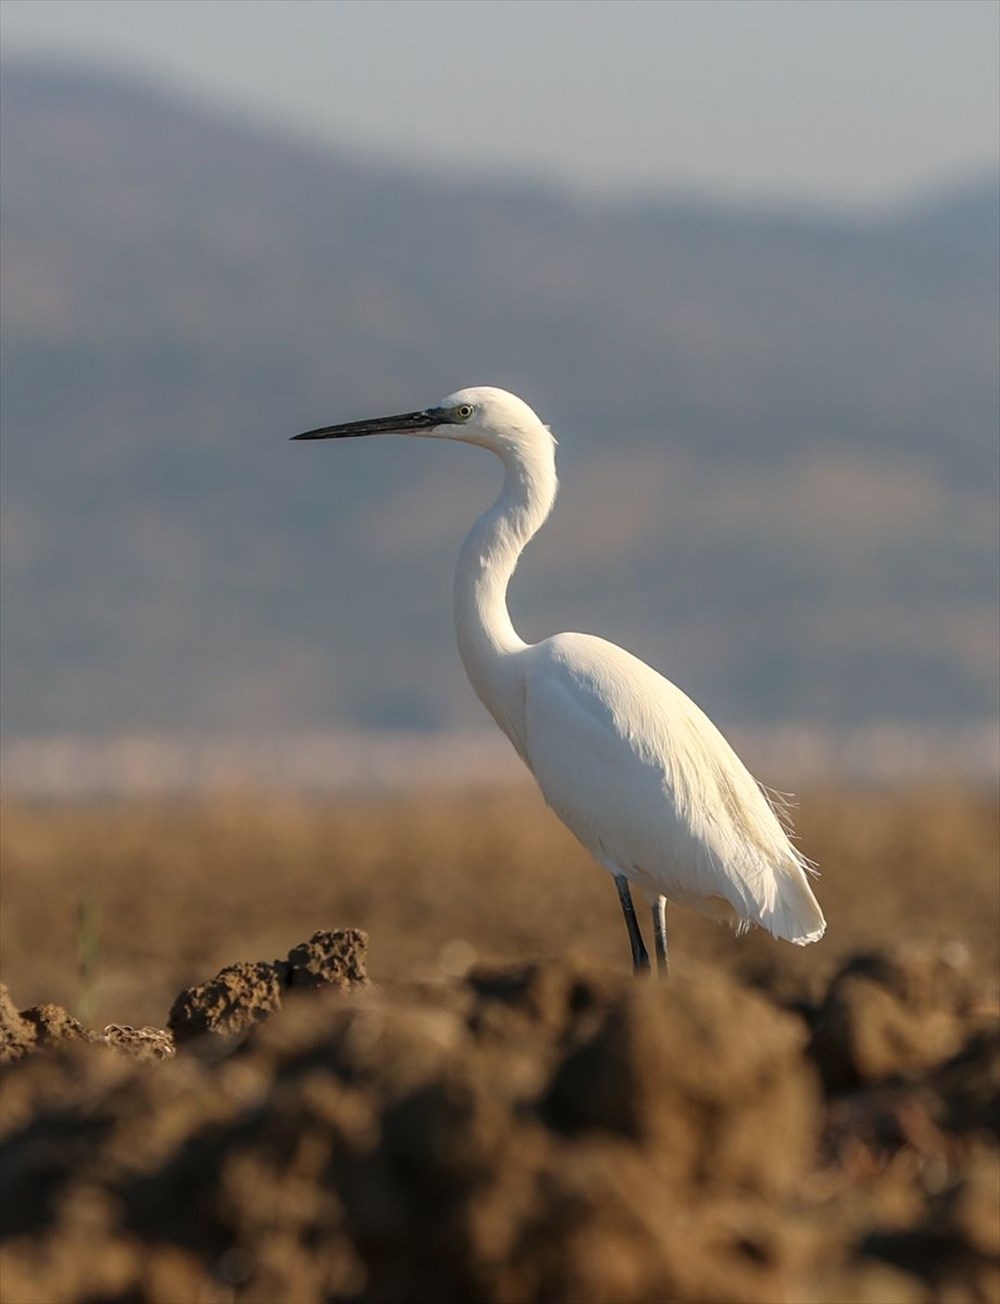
(629, 763)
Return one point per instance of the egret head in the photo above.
(490, 418)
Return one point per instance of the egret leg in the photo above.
(660, 933)
(640, 956)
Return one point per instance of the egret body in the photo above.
(630, 764)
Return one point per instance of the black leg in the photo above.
(640, 956)
(660, 933)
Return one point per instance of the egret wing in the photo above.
(649, 785)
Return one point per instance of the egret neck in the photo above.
(487, 640)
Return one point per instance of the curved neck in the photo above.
(486, 636)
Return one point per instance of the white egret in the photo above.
(629, 763)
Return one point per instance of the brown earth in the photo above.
(486, 1121)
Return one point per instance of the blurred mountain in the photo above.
(969, 212)
(777, 431)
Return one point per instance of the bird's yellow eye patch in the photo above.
(464, 411)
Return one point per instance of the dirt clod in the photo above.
(16, 1035)
(698, 1070)
(330, 959)
(245, 994)
(891, 1015)
(229, 1004)
(51, 1024)
(141, 1044)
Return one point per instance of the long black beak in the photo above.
(406, 424)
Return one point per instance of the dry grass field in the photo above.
(164, 895)
(505, 1115)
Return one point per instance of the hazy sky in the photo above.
(854, 102)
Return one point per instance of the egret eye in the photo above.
(464, 411)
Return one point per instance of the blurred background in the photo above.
(742, 257)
